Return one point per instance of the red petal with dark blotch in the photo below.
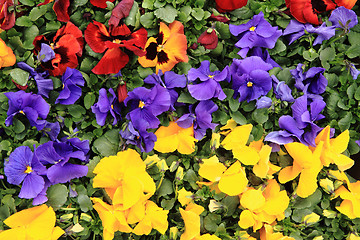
(229, 5)
(100, 3)
(45, 2)
(349, 4)
(121, 11)
(68, 41)
(61, 9)
(219, 18)
(297, 8)
(112, 62)
(62, 61)
(309, 14)
(37, 43)
(330, 5)
(8, 21)
(96, 35)
(73, 30)
(208, 40)
(136, 42)
(121, 30)
(122, 92)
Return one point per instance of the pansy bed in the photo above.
(174, 119)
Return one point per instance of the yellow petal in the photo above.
(226, 183)
(132, 191)
(211, 171)
(207, 237)
(252, 199)
(57, 232)
(186, 144)
(237, 137)
(289, 173)
(192, 224)
(307, 183)
(246, 219)
(158, 217)
(184, 197)
(194, 208)
(26, 216)
(246, 155)
(17, 233)
(346, 208)
(136, 213)
(343, 162)
(277, 204)
(340, 143)
(262, 168)
(300, 153)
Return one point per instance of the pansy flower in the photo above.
(7, 57)
(343, 18)
(282, 90)
(250, 77)
(264, 54)
(141, 138)
(145, 105)
(174, 137)
(350, 206)
(208, 85)
(32, 223)
(23, 167)
(168, 49)
(100, 3)
(208, 39)
(105, 105)
(200, 117)
(44, 84)
(191, 217)
(31, 105)
(67, 45)
(61, 9)
(257, 32)
(72, 80)
(170, 81)
(7, 18)
(229, 5)
(101, 40)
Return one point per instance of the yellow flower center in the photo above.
(28, 169)
(112, 106)
(141, 104)
(249, 84)
(116, 41)
(252, 28)
(63, 86)
(22, 112)
(211, 76)
(52, 46)
(160, 47)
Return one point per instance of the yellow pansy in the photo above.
(350, 206)
(267, 233)
(264, 168)
(185, 197)
(214, 171)
(207, 237)
(191, 216)
(174, 137)
(36, 223)
(124, 178)
(333, 149)
(307, 164)
(262, 206)
(229, 126)
(7, 57)
(352, 236)
(155, 217)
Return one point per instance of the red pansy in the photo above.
(100, 3)
(67, 45)
(7, 19)
(208, 39)
(114, 59)
(61, 9)
(229, 5)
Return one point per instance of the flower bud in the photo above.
(214, 205)
(151, 160)
(329, 213)
(66, 217)
(76, 228)
(173, 233)
(208, 39)
(162, 165)
(174, 165)
(311, 218)
(85, 217)
(215, 141)
(327, 185)
(179, 174)
(122, 91)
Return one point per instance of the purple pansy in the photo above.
(257, 32)
(343, 18)
(251, 79)
(169, 80)
(295, 30)
(52, 130)
(353, 70)
(71, 91)
(105, 105)
(23, 167)
(200, 118)
(264, 54)
(281, 90)
(145, 105)
(301, 125)
(44, 85)
(31, 105)
(142, 139)
(46, 53)
(313, 80)
(263, 102)
(208, 85)
(56, 155)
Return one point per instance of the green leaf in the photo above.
(184, 14)
(89, 100)
(148, 20)
(20, 76)
(108, 144)
(223, 30)
(231, 203)
(148, 4)
(312, 200)
(168, 204)
(357, 94)
(52, 26)
(279, 47)
(166, 188)
(84, 202)
(57, 196)
(78, 3)
(19, 127)
(5, 145)
(198, 13)
(37, 12)
(31, 32)
(238, 117)
(328, 54)
(167, 14)
(310, 55)
(185, 97)
(76, 110)
(260, 115)
(23, 21)
(234, 104)
(144, 72)
(354, 38)
(28, 2)
(211, 222)
(353, 51)
(9, 201)
(131, 18)
(344, 123)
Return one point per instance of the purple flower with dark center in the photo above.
(313, 78)
(301, 125)
(145, 105)
(57, 156)
(169, 80)
(264, 54)
(23, 167)
(250, 78)
(142, 139)
(263, 102)
(201, 118)
(46, 53)
(295, 30)
(71, 91)
(31, 105)
(257, 32)
(343, 18)
(281, 90)
(208, 85)
(44, 85)
(105, 105)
